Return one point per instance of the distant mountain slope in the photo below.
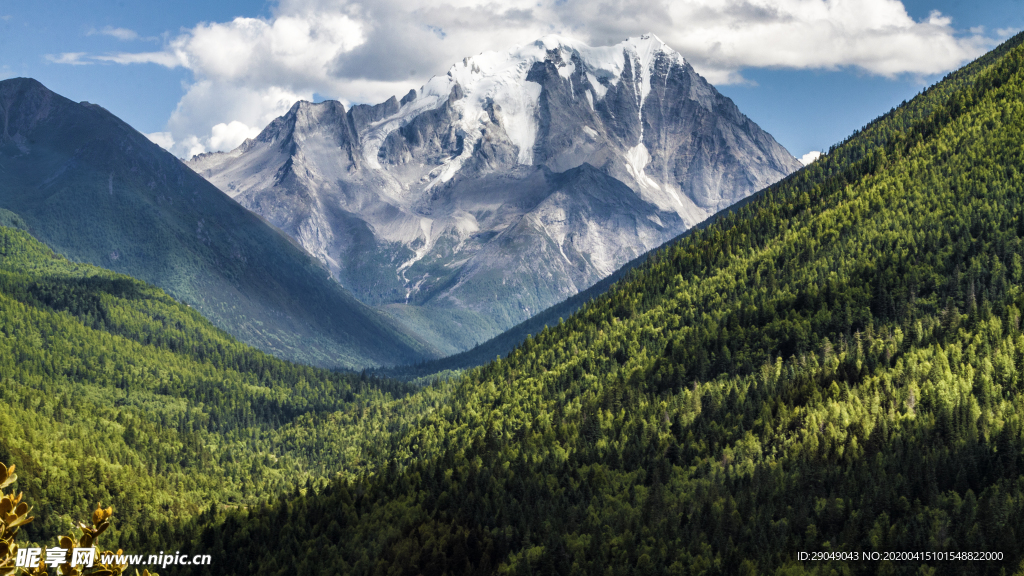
(511, 183)
(97, 191)
(834, 368)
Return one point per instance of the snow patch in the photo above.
(637, 159)
(599, 89)
(498, 79)
(566, 70)
(425, 226)
(645, 50)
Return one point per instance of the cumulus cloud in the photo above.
(227, 136)
(221, 137)
(162, 139)
(249, 70)
(209, 103)
(810, 157)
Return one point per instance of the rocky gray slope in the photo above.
(514, 181)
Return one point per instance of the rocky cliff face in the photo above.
(514, 181)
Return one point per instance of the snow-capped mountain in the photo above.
(505, 186)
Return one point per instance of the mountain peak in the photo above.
(22, 83)
(24, 102)
(511, 182)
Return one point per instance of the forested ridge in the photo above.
(835, 366)
(113, 392)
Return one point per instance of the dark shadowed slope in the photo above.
(96, 190)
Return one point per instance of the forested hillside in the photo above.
(837, 366)
(113, 392)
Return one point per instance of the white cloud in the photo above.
(221, 137)
(209, 103)
(877, 36)
(191, 145)
(168, 59)
(229, 136)
(810, 157)
(249, 70)
(1006, 32)
(72, 58)
(290, 49)
(119, 33)
(162, 139)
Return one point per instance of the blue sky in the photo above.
(202, 75)
(813, 109)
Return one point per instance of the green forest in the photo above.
(835, 367)
(112, 392)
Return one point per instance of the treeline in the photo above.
(835, 367)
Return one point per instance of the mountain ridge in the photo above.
(461, 198)
(94, 189)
